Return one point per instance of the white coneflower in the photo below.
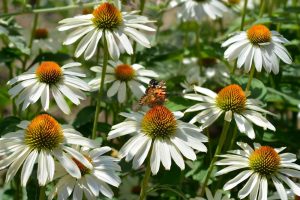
(41, 141)
(109, 22)
(170, 137)
(43, 42)
(259, 166)
(48, 78)
(197, 10)
(122, 76)
(219, 195)
(257, 46)
(192, 78)
(232, 101)
(93, 180)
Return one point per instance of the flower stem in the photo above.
(241, 28)
(5, 6)
(217, 152)
(244, 15)
(250, 78)
(105, 61)
(35, 21)
(262, 8)
(145, 181)
(42, 193)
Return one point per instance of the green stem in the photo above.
(105, 61)
(35, 22)
(143, 193)
(198, 48)
(47, 10)
(42, 193)
(5, 6)
(218, 151)
(262, 8)
(250, 78)
(234, 134)
(244, 15)
(244, 11)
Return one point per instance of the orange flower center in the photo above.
(43, 132)
(83, 169)
(159, 122)
(49, 72)
(231, 98)
(107, 16)
(124, 72)
(259, 34)
(41, 33)
(264, 160)
(86, 11)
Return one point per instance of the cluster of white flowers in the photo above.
(158, 134)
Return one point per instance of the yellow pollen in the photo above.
(232, 98)
(49, 72)
(264, 160)
(107, 16)
(124, 72)
(83, 169)
(41, 33)
(259, 34)
(159, 122)
(43, 132)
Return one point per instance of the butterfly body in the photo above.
(155, 94)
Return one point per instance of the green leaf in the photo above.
(9, 124)
(257, 88)
(84, 116)
(291, 100)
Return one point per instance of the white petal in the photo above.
(60, 101)
(28, 167)
(68, 164)
(164, 154)
(114, 88)
(155, 158)
(112, 46)
(237, 179)
(280, 189)
(122, 92)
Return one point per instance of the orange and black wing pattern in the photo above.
(155, 94)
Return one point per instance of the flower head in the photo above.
(42, 140)
(93, 180)
(41, 33)
(49, 78)
(122, 76)
(219, 195)
(197, 10)
(232, 101)
(260, 165)
(257, 46)
(43, 42)
(109, 22)
(160, 130)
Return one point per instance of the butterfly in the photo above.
(155, 94)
